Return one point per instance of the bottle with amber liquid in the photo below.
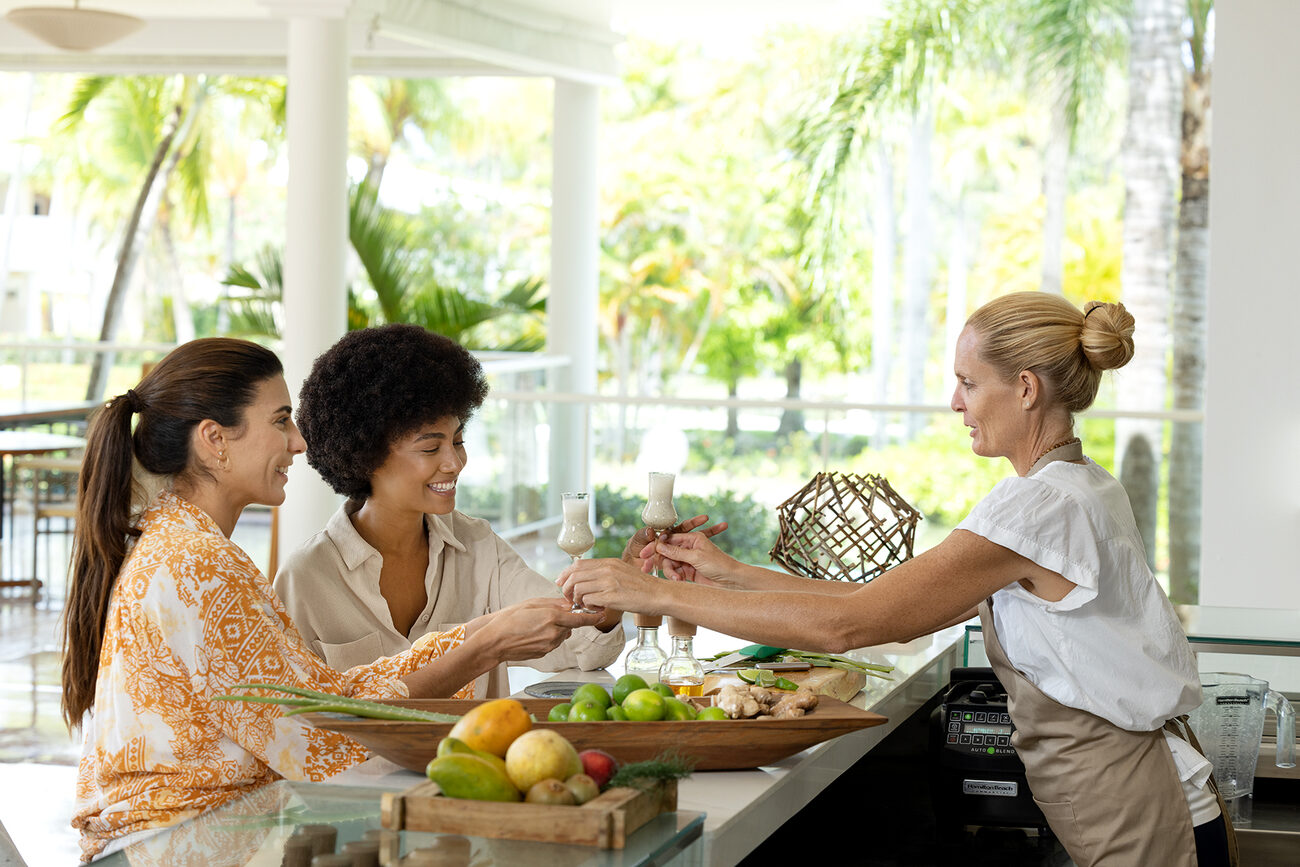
(682, 672)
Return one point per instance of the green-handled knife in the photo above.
(747, 654)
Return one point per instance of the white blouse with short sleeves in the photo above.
(1112, 646)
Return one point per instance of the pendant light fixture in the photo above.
(73, 28)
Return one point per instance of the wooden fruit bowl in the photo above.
(713, 744)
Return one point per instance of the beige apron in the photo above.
(1111, 796)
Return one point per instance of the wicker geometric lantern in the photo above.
(843, 526)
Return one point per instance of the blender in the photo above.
(1230, 724)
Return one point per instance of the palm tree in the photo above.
(1069, 46)
(154, 120)
(897, 72)
(1189, 315)
(1150, 165)
(153, 145)
(383, 111)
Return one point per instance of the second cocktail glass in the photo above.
(659, 515)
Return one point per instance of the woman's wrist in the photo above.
(482, 644)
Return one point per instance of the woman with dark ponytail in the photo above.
(165, 613)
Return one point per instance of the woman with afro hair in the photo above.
(384, 413)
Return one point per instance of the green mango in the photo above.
(450, 746)
(465, 775)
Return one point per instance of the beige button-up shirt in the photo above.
(331, 587)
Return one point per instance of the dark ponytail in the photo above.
(213, 378)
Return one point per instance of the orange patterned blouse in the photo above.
(191, 616)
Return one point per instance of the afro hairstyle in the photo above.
(375, 386)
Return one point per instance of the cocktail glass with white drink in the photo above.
(575, 537)
(659, 515)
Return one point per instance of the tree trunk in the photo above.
(375, 170)
(882, 288)
(1056, 159)
(182, 316)
(958, 274)
(918, 263)
(1189, 343)
(733, 414)
(792, 419)
(1150, 163)
(137, 230)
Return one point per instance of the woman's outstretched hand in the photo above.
(692, 557)
(642, 537)
(529, 629)
(609, 583)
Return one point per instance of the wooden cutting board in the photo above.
(834, 682)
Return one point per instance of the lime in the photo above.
(587, 711)
(592, 692)
(616, 713)
(644, 704)
(711, 713)
(676, 709)
(626, 684)
(663, 689)
(560, 712)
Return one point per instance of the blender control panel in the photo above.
(976, 720)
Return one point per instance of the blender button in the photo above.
(952, 739)
(979, 717)
(954, 726)
(954, 714)
(1003, 741)
(965, 739)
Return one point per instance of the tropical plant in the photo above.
(398, 287)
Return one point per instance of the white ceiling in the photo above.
(565, 38)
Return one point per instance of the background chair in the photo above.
(54, 498)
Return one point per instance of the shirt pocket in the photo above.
(350, 654)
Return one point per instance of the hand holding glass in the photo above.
(575, 537)
(659, 514)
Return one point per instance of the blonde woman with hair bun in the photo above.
(1099, 674)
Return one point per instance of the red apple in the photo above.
(599, 765)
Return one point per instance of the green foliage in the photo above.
(937, 474)
(399, 287)
(750, 533)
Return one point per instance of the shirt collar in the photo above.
(169, 503)
(355, 550)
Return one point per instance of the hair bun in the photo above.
(1107, 335)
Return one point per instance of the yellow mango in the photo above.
(492, 726)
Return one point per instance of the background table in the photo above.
(18, 442)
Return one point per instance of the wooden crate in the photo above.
(604, 821)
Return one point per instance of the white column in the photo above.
(315, 293)
(1250, 550)
(571, 311)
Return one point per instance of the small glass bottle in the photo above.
(647, 657)
(682, 671)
